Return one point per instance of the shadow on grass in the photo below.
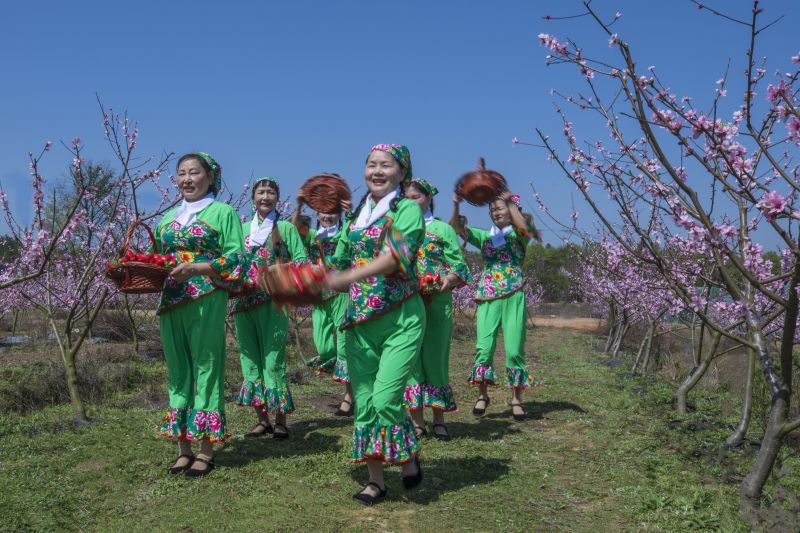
(441, 476)
(539, 410)
(305, 440)
(484, 429)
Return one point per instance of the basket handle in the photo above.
(129, 234)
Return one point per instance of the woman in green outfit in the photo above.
(385, 317)
(439, 258)
(328, 316)
(261, 327)
(500, 298)
(205, 236)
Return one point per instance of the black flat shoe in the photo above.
(267, 428)
(280, 435)
(349, 412)
(420, 431)
(175, 470)
(478, 411)
(409, 482)
(193, 473)
(366, 499)
(441, 436)
(518, 418)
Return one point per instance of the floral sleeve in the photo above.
(405, 237)
(453, 256)
(228, 264)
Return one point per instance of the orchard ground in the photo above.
(601, 450)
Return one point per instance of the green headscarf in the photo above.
(399, 152)
(425, 186)
(216, 170)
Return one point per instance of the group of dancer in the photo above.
(375, 331)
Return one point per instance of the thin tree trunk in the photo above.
(649, 348)
(639, 353)
(68, 355)
(134, 330)
(696, 374)
(753, 484)
(747, 404)
(14, 324)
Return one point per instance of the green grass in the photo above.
(597, 453)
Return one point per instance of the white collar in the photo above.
(326, 233)
(428, 217)
(260, 231)
(499, 235)
(187, 212)
(369, 214)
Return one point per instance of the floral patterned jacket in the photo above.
(440, 253)
(502, 272)
(215, 237)
(323, 250)
(399, 232)
(290, 249)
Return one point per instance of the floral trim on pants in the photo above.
(318, 366)
(439, 398)
(390, 444)
(252, 394)
(517, 378)
(279, 401)
(481, 374)
(340, 373)
(195, 425)
(412, 399)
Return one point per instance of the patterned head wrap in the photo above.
(270, 179)
(516, 199)
(399, 152)
(425, 186)
(216, 170)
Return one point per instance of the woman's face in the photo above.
(265, 198)
(498, 211)
(383, 174)
(193, 180)
(326, 220)
(416, 195)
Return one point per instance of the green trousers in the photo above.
(509, 313)
(261, 332)
(381, 355)
(329, 340)
(193, 338)
(429, 385)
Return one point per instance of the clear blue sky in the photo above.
(294, 88)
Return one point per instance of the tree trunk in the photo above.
(14, 324)
(68, 356)
(132, 320)
(747, 405)
(696, 374)
(639, 354)
(649, 347)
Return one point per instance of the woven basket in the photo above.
(480, 186)
(325, 192)
(134, 277)
(293, 284)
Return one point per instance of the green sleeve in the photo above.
(406, 236)
(168, 217)
(341, 255)
(229, 264)
(294, 243)
(477, 236)
(452, 254)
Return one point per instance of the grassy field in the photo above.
(600, 451)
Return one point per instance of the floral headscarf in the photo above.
(399, 152)
(216, 170)
(516, 199)
(425, 186)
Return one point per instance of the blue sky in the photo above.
(291, 89)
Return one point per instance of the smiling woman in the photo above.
(385, 317)
(206, 237)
